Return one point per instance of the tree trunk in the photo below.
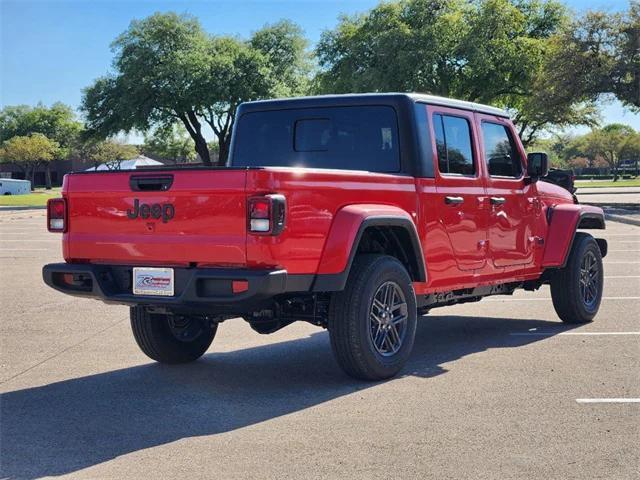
(614, 163)
(224, 142)
(47, 176)
(32, 176)
(202, 149)
(193, 126)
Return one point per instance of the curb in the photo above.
(634, 207)
(17, 208)
(628, 192)
(622, 219)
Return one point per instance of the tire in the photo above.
(171, 339)
(573, 300)
(356, 336)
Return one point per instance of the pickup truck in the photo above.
(355, 213)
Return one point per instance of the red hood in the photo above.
(550, 190)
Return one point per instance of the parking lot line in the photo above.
(25, 249)
(550, 334)
(608, 400)
(18, 222)
(621, 276)
(30, 241)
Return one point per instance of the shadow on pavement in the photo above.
(74, 424)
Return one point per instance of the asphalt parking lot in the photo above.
(497, 389)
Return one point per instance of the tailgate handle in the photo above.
(147, 183)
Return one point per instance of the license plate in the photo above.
(153, 281)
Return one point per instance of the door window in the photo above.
(453, 142)
(500, 151)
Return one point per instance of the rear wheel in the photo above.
(171, 338)
(576, 289)
(372, 323)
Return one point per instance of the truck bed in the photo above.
(209, 225)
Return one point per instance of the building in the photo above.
(58, 170)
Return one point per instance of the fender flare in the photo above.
(344, 237)
(564, 221)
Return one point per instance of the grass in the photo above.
(38, 198)
(607, 183)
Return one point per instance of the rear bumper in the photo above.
(197, 289)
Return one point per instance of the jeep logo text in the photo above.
(165, 211)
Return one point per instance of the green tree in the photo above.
(108, 152)
(57, 123)
(169, 142)
(599, 53)
(285, 46)
(27, 152)
(626, 72)
(238, 73)
(167, 69)
(493, 51)
(159, 65)
(613, 143)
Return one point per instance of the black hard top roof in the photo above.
(320, 101)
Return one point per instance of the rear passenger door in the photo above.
(460, 190)
(511, 201)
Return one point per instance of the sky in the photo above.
(51, 49)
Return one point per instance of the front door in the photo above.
(460, 191)
(511, 201)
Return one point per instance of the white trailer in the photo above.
(10, 186)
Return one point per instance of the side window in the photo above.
(453, 142)
(500, 151)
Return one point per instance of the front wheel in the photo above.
(372, 323)
(576, 289)
(171, 338)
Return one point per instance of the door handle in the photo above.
(497, 200)
(453, 200)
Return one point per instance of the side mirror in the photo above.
(537, 165)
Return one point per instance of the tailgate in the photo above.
(165, 217)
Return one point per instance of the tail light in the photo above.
(57, 215)
(266, 214)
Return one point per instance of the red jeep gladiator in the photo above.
(355, 213)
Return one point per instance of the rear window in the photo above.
(349, 138)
